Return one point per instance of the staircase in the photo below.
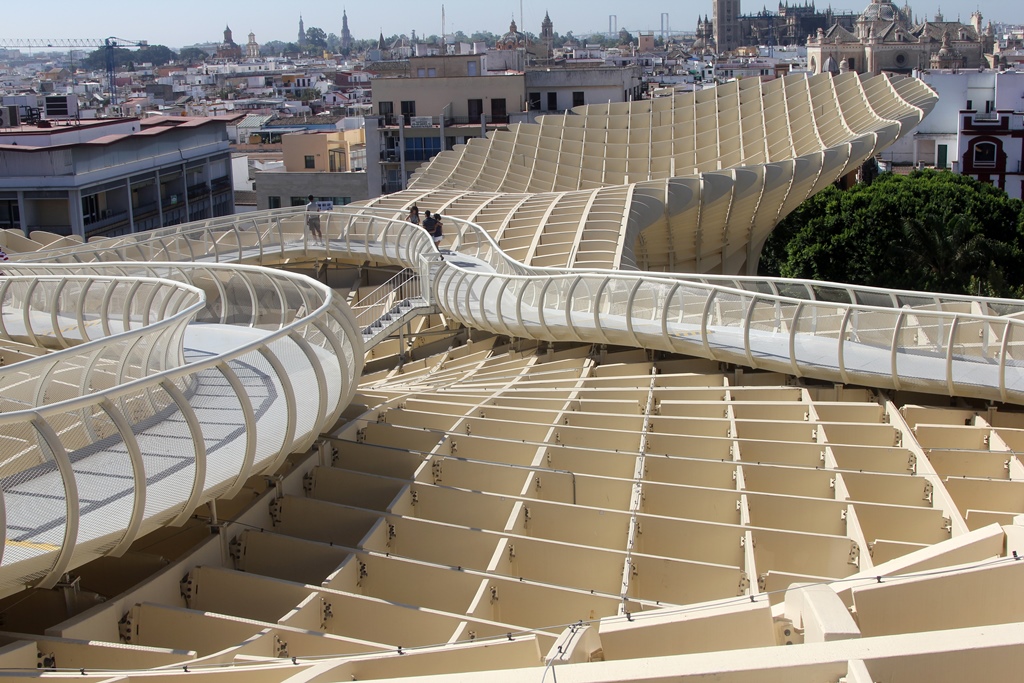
(392, 305)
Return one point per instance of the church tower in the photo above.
(726, 19)
(547, 35)
(302, 32)
(346, 35)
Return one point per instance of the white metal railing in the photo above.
(259, 237)
(887, 338)
(173, 385)
(404, 288)
(905, 340)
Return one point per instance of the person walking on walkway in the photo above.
(313, 220)
(438, 232)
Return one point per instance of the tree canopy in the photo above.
(931, 231)
(316, 37)
(158, 55)
(192, 55)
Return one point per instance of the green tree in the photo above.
(158, 55)
(192, 55)
(931, 230)
(316, 37)
(123, 57)
(625, 37)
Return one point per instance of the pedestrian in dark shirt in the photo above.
(438, 231)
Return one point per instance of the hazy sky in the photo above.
(186, 22)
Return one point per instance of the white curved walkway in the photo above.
(177, 401)
(175, 386)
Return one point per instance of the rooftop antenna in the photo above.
(443, 49)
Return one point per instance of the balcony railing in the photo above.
(475, 120)
(106, 220)
(392, 120)
(198, 190)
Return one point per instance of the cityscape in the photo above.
(515, 353)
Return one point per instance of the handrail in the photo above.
(402, 287)
(383, 234)
(263, 331)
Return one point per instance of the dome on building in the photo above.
(513, 39)
(882, 10)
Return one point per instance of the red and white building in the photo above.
(990, 147)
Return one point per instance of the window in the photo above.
(498, 112)
(408, 110)
(310, 162)
(853, 63)
(970, 104)
(299, 201)
(10, 217)
(577, 98)
(431, 73)
(90, 209)
(387, 110)
(534, 98)
(552, 101)
(476, 108)
(273, 202)
(421, 149)
(471, 69)
(985, 154)
(421, 73)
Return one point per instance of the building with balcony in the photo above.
(437, 103)
(972, 103)
(114, 176)
(559, 87)
(329, 165)
(443, 101)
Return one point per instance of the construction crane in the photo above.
(71, 43)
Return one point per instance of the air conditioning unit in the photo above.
(9, 117)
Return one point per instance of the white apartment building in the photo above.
(114, 176)
(967, 99)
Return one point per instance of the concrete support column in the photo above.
(22, 215)
(75, 213)
(184, 185)
(131, 209)
(401, 148)
(159, 197)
